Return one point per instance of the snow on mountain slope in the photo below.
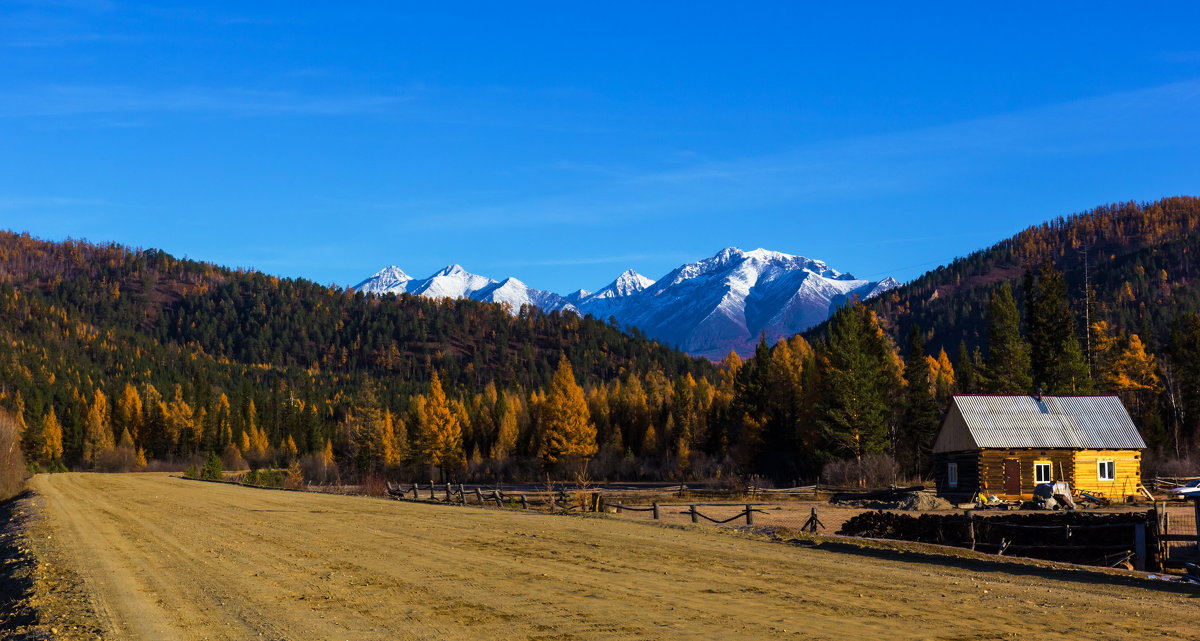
(706, 308)
(627, 284)
(515, 293)
(455, 282)
(726, 301)
(389, 280)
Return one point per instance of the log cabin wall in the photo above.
(968, 474)
(991, 464)
(1127, 465)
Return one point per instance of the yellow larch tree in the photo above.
(440, 423)
(97, 433)
(567, 429)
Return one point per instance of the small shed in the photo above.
(1006, 445)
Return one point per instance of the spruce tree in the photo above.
(1007, 367)
(1058, 365)
(921, 413)
(859, 377)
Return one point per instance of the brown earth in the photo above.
(163, 558)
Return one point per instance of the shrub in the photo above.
(374, 485)
(191, 472)
(115, 459)
(319, 469)
(212, 470)
(295, 477)
(231, 458)
(872, 470)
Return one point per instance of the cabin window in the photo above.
(1108, 470)
(952, 474)
(1041, 473)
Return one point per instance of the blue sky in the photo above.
(562, 143)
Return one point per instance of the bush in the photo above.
(872, 470)
(12, 462)
(374, 485)
(317, 469)
(115, 459)
(231, 459)
(192, 472)
(212, 470)
(295, 477)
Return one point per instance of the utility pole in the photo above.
(1087, 309)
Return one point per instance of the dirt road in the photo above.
(164, 558)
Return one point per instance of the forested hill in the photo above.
(291, 358)
(1140, 262)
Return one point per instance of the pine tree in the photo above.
(567, 430)
(1058, 365)
(1007, 367)
(968, 373)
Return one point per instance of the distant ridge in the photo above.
(706, 308)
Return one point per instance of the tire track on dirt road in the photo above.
(167, 558)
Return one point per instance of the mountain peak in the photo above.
(450, 270)
(628, 283)
(392, 271)
(389, 280)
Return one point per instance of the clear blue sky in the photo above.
(562, 143)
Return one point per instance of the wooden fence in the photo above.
(554, 500)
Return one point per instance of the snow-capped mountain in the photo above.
(705, 308)
(455, 282)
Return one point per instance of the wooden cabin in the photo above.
(1005, 445)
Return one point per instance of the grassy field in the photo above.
(163, 558)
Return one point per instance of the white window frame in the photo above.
(1037, 475)
(1106, 470)
(952, 474)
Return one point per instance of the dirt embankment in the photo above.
(163, 558)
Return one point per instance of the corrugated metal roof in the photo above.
(1076, 422)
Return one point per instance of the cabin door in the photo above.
(1012, 477)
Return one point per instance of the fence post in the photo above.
(749, 515)
(1196, 504)
(692, 511)
(654, 505)
(971, 526)
(448, 497)
(431, 496)
(1139, 546)
(524, 502)
(619, 507)
(479, 495)
(499, 499)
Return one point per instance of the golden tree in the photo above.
(440, 424)
(97, 434)
(567, 429)
(52, 439)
